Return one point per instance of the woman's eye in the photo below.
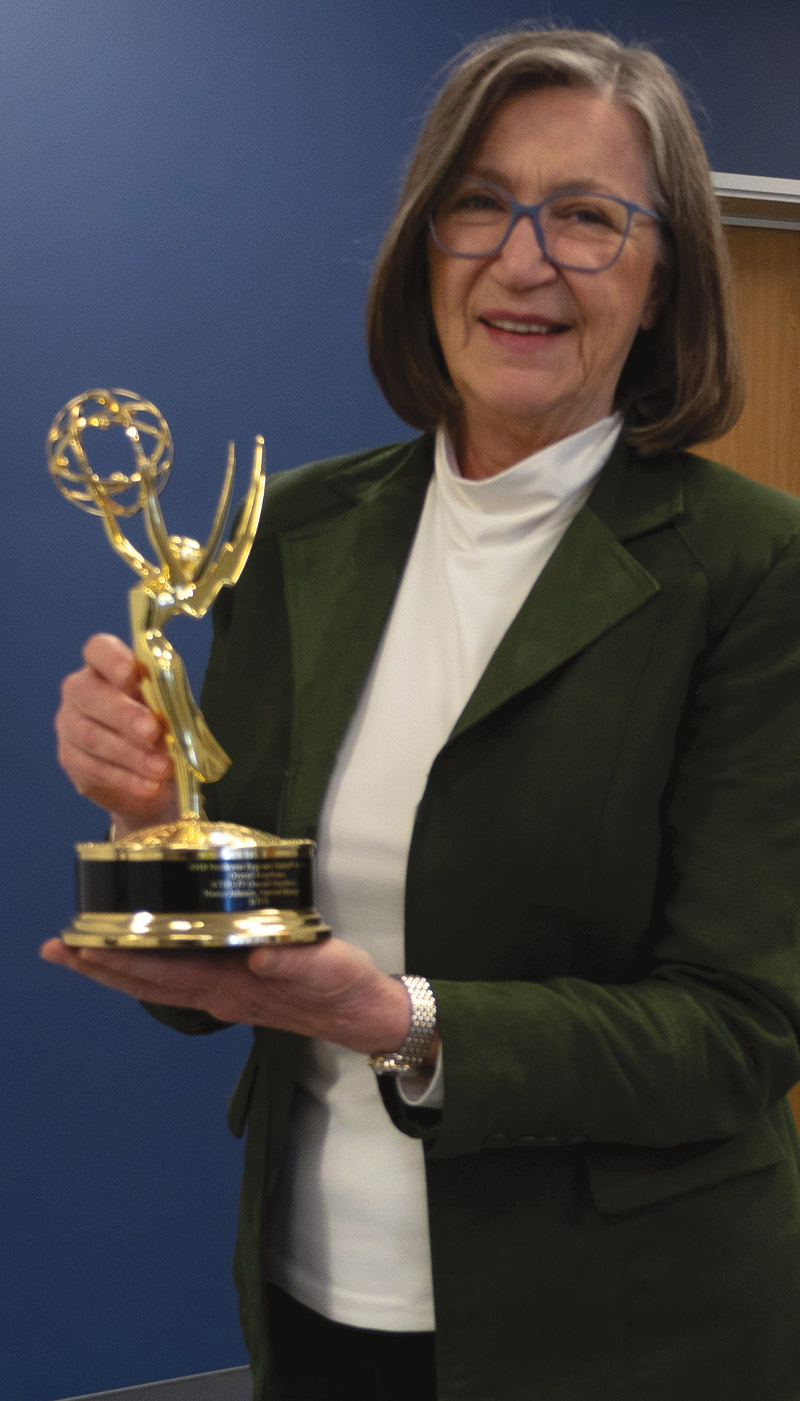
(588, 215)
(602, 216)
(477, 201)
(468, 199)
(599, 215)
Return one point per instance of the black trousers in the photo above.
(318, 1360)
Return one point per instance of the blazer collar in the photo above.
(634, 495)
(342, 569)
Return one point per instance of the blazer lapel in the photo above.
(341, 573)
(589, 585)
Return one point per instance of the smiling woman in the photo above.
(682, 383)
(532, 682)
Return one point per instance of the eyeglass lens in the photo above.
(583, 231)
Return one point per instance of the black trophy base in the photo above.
(195, 885)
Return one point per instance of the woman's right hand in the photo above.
(110, 744)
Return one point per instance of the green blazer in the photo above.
(604, 889)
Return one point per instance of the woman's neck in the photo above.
(485, 449)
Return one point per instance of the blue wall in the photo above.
(192, 194)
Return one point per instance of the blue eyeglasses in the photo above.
(580, 232)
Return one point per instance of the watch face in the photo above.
(392, 1063)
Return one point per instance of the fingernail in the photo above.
(144, 787)
(144, 727)
(157, 764)
(260, 962)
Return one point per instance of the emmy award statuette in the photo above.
(190, 883)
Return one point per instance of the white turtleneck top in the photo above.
(347, 1231)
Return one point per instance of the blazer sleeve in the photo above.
(706, 1042)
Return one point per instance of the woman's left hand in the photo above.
(331, 990)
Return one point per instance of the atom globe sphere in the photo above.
(147, 439)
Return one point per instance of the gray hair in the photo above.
(682, 382)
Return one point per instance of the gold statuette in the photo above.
(190, 883)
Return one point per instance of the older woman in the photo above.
(532, 681)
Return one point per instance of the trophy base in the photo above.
(207, 931)
(194, 884)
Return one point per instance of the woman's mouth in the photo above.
(523, 325)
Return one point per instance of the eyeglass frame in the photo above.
(518, 211)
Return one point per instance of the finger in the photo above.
(86, 696)
(105, 764)
(116, 788)
(216, 983)
(54, 951)
(155, 966)
(80, 734)
(111, 747)
(176, 980)
(114, 660)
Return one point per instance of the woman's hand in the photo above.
(331, 990)
(110, 745)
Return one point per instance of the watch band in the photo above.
(414, 1049)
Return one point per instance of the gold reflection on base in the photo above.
(215, 930)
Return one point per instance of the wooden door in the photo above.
(765, 443)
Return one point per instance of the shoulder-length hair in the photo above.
(682, 382)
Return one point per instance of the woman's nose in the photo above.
(522, 254)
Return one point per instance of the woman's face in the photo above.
(521, 391)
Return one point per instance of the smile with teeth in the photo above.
(524, 328)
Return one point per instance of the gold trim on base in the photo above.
(215, 930)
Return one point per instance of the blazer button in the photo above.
(497, 1140)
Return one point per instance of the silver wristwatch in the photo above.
(414, 1049)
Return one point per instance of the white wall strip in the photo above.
(758, 201)
(756, 222)
(756, 187)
